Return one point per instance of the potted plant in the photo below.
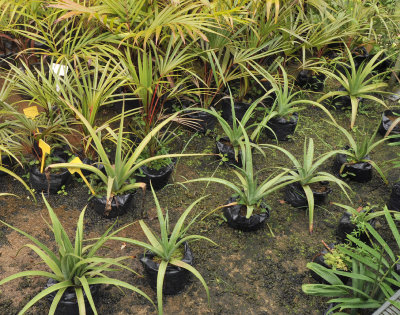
(247, 209)
(228, 145)
(75, 269)
(282, 118)
(168, 259)
(373, 276)
(27, 134)
(357, 84)
(156, 76)
(117, 182)
(5, 171)
(356, 163)
(310, 186)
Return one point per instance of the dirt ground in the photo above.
(247, 273)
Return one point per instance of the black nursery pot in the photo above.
(6, 162)
(307, 80)
(394, 201)
(120, 205)
(51, 185)
(237, 220)
(204, 121)
(68, 305)
(282, 127)
(341, 102)
(359, 172)
(158, 178)
(388, 117)
(175, 277)
(320, 259)
(224, 147)
(239, 107)
(295, 195)
(345, 227)
(88, 161)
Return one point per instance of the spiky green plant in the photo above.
(165, 245)
(72, 265)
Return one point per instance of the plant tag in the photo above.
(31, 112)
(73, 170)
(59, 70)
(45, 150)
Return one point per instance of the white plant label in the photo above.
(59, 70)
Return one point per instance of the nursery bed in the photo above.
(248, 273)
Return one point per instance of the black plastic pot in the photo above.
(203, 121)
(6, 162)
(239, 107)
(282, 127)
(175, 277)
(359, 172)
(307, 80)
(68, 305)
(125, 100)
(237, 220)
(388, 117)
(320, 259)
(341, 102)
(98, 165)
(360, 55)
(394, 201)
(50, 183)
(159, 178)
(224, 147)
(295, 195)
(120, 205)
(345, 227)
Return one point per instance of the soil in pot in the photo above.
(175, 277)
(388, 117)
(158, 177)
(68, 305)
(224, 147)
(282, 127)
(236, 216)
(120, 205)
(360, 172)
(295, 195)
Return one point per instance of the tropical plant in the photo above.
(38, 85)
(373, 276)
(118, 175)
(235, 131)
(248, 189)
(4, 150)
(157, 75)
(286, 101)
(306, 172)
(359, 150)
(27, 131)
(358, 83)
(88, 85)
(168, 243)
(73, 266)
